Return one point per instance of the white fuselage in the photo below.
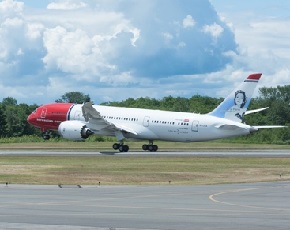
(162, 125)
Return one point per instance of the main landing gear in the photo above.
(125, 148)
(150, 147)
(121, 147)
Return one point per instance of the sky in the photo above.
(117, 49)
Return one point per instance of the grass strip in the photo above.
(140, 170)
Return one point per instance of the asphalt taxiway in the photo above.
(234, 206)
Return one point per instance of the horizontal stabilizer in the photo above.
(255, 110)
(269, 126)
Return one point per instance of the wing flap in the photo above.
(126, 129)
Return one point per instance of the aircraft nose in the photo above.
(31, 119)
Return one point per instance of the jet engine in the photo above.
(74, 130)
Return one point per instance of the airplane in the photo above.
(79, 121)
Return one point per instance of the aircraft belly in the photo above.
(230, 133)
(203, 134)
(172, 134)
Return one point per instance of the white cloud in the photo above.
(167, 37)
(136, 35)
(10, 7)
(263, 39)
(20, 52)
(264, 36)
(3, 53)
(127, 28)
(106, 47)
(121, 79)
(188, 21)
(12, 22)
(215, 30)
(278, 76)
(70, 51)
(34, 30)
(181, 44)
(66, 5)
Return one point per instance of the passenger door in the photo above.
(146, 121)
(194, 126)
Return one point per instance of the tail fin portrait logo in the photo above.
(240, 101)
(235, 105)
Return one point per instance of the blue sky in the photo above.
(116, 49)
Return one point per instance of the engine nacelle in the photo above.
(74, 130)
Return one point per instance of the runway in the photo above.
(230, 206)
(217, 153)
(236, 206)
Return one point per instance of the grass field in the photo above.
(139, 169)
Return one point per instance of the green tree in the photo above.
(167, 103)
(27, 129)
(278, 101)
(16, 120)
(13, 118)
(9, 101)
(74, 97)
(3, 122)
(203, 104)
(273, 94)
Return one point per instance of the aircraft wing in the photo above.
(91, 115)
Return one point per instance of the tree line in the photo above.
(13, 116)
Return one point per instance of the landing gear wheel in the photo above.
(121, 147)
(145, 147)
(124, 148)
(45, 136)
(150, 147)
(116, 146)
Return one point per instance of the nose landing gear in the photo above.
(46, 135)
